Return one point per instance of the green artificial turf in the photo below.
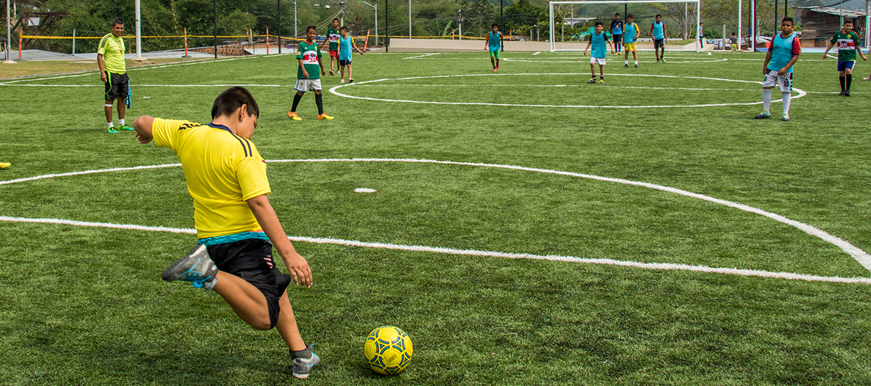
(85, 305)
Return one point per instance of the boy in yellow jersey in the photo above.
(235, 223)
(113, 72)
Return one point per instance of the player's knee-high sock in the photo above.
(787, 98)
(849, 81)
(296, 98)
(766, 99)
(843, 81)
(319, 99)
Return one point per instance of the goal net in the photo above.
(572, 22)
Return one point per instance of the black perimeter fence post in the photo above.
(387, 23)
(279, 26)
(215, 7)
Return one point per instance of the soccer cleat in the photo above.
(331, 72)
(663, 60)
(591, 81)
(847, 93)
(4, 165)
(602, 81)
(111, 130)
(636, 66)
(342, 81)
(293, 116)
(868, 78)
(494, 69)
(350, 80)
(626, 65)
(197, 267)
(785, 118)
(302, 367)
(841, 93)
(324, 116)
(763, 115)
(125, 127)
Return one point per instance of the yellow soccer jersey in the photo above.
(112, 49)
(222, 170)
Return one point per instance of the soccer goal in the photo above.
(570, 14)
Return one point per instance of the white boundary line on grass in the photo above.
(801, 93)
(859, 255)
(473, 252)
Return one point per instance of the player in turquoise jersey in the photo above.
(783, 51)
(598, 40)
(617, 32)
(346, 47)
(333, 35)
(848, 45)
(308, 76)
(630, 36)
(494, 44)
(660, 37)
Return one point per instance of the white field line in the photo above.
(421, 56)
(536, 53)
(473, 252)
(557, 85)
(859, 255)
(129, 70)
(147, 85)
(801, 93)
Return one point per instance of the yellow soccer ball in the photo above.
(388, 350)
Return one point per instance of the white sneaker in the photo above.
(868, 78)
(342, 81)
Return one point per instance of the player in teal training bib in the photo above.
(783, 51)
(494, 44)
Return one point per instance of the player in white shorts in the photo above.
(598, 55)
(308, 75)
(783, 51)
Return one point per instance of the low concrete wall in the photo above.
(444, 45)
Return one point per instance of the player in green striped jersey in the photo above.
(308, 76)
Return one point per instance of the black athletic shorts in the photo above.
(344, 62)
(251, 259)
(117, 86)
(658, 43)
(617, 38)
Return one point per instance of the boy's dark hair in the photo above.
(629, 15)
(616, 14)
(733, 34)
(598, 23)
(343, 28)
(117, 21)
(789, 19)
(659, 16)
(494, 25)
(231, 99)
(336, 19)
(311, 27)
(848, 21)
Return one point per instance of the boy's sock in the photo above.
(843, 80)
(766, 99)
(849, 81)
(626, 62)
(787, 98)
(305, 354)
(111, 124)
(636, 62)
(296, 98)
(121, 122)
(319, 99)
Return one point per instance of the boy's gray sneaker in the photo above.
(763, 115)
(302, 366)
(197, 267)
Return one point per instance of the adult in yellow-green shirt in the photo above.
(113, 72)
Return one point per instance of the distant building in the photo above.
(818, 24)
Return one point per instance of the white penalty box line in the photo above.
(859, 255)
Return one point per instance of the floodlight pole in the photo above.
(376, 18)
(8, 36)
(279, 26)
(138, 32)
(409, 19)
(215, 9)
(740, 31)
(753, 26)
(867, 23)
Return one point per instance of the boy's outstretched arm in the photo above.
(296, 264)
(142, 125)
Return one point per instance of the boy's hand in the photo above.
(782, 71)
(103, 76)
(324, 73)
(305, 74)
(143, 139)
(299, 269)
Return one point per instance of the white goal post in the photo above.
(587, 2)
